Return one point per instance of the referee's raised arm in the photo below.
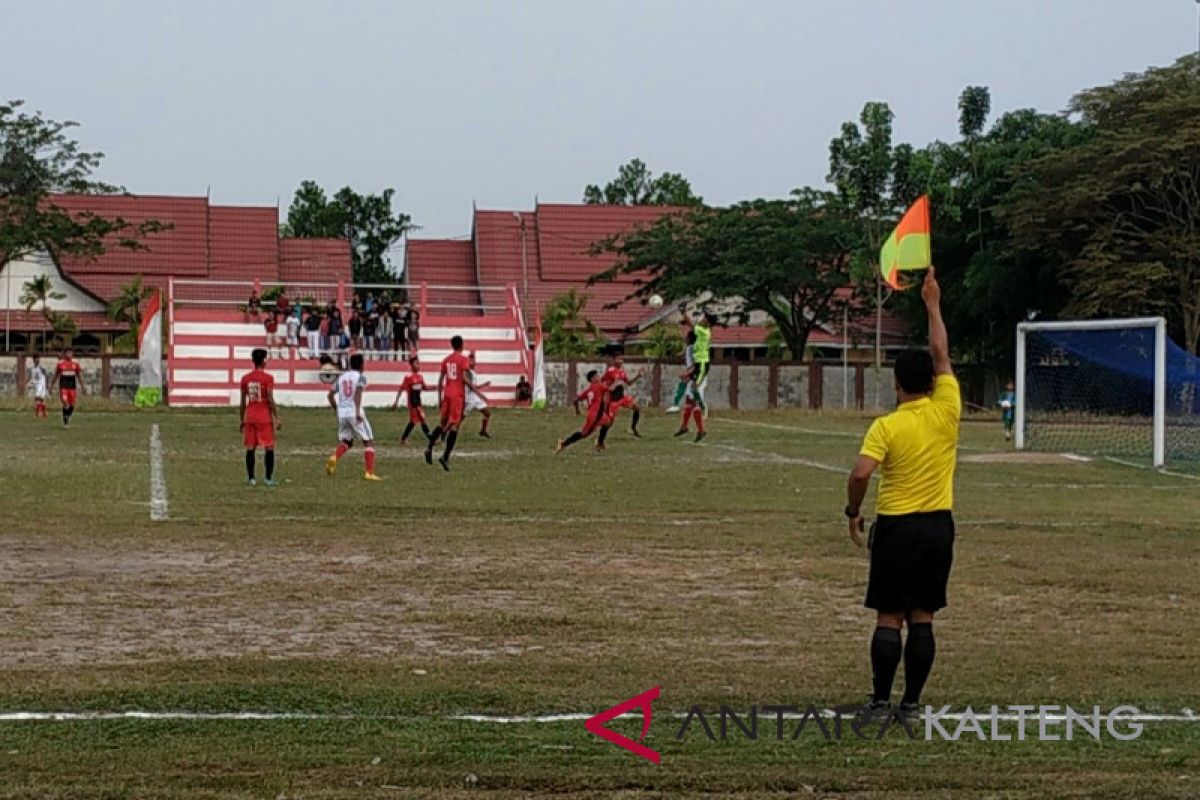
(939, 341)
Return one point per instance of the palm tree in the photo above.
(126, 307)
(40, 291)
(568, 333)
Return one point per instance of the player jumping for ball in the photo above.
(615, 376)
(453, 384)
(476, 401)
(259, 417)
(595, 395)
(69, 377)
(413, 385)
(346, 396)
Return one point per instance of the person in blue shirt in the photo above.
(1008, 409)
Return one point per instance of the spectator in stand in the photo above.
(370, 325)
(356, 328)
(334, 331)
(253, 306)
(312, 331)
(524, 390)
(399, 329)
(369, 303)
(383, 334)
(271, 324)
(292, 326)
(414, 330)
(282, 304)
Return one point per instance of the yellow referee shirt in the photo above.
(916, 447)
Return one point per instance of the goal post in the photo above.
(1101, 386)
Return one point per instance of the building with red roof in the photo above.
(202, 241)
(548, 251)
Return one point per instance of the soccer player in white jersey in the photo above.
(38, 383)
(476, 401)
(346, 397)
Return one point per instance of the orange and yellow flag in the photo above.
(909, 245)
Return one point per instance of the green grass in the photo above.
(524, 583)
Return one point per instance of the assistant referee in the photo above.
(912, 540)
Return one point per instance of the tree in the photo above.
(566, 330)
(126, 309)
(635, 185)
(663, 341)
(367, 221)
(40, 291)
(38, 159)
(785, 259)
(1123, 208)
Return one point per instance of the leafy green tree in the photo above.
(126, 309)
(38, 159)
(40, 291)
(663, 341)
(366, 220)
(566, 330)
(1123, 208)
(635, 185)
(784, 259)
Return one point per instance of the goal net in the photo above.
(1117, 388)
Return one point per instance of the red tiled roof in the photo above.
(203, 242)
(566, 234)
(33, 321)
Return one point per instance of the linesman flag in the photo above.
(908, 246)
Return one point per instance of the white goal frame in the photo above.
(1158, 324)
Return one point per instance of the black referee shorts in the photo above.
(911, 556)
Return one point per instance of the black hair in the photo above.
(914, 371)
(710, 317)
(456, 342)
(258, 356)
(324, 359)
(591, 374)
(691, 336)
(618, 393)
(356, 362)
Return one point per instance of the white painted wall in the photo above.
(15, 274)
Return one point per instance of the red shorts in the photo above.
(67, 396)
(452, 410)
(258, 434)
(416, 415)
(592, 421)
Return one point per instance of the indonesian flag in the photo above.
(150, 380)
(539, 370)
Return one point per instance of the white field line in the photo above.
(790, 428)
(1160, 471)
(158, 480)
(1184, 715)
(776, 458)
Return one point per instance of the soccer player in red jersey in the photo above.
(413, 385)
(615, 375)
(259, 417)
(69, 377)
(453, 383)
(617, 400)
(595, 395)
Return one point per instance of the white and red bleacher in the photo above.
(210, 338)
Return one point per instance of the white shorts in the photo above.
(474, 402)
(39, 394)
(349, 427)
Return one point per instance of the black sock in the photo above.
(433, 437)
(425, 430)
(885, 658)
(919, 651)
(66, 414)
(451, 438)
(407, 430)
(637, 414)
(603, 435)
(250, 464)
(269, 463)
(572, 439)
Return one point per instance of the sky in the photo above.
(498, 103)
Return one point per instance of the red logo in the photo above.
(644, 701)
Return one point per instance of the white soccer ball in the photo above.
(656, 301)
(328, 373)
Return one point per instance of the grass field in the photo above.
(524, 583)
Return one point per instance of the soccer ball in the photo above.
(328, 373)
(656, 301)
